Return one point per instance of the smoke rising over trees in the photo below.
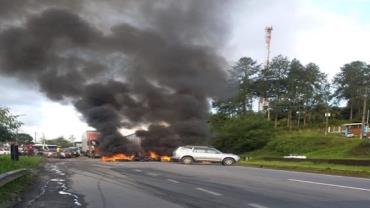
(157, 65)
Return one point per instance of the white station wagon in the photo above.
(190, 154)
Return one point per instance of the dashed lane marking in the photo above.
(173, 181)
(208, 191)
(256, 205)
(152, 174)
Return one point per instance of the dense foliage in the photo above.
(60, 141)
(8, 125)
(297, 95)
(351, 84)
(23, 138)
(240, 134)
(291, 95)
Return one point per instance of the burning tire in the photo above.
(228, 161)
(187, 160)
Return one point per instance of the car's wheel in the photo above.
(228, 161)
(187, 160)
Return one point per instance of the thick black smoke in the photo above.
(158, 65)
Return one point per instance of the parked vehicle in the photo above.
(52, 154)
(190, 154)
(43, 149)
(4, 151)
(65, 153)
(73, 151)
(90, 144)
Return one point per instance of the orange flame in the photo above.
(153, 155)
(165, 158)
(117, 157)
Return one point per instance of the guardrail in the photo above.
(11, 176)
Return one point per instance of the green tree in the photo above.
(316, 91)
(24, 138)
(241, 134)
(307, 87)
(349, 85)
(278, 74)
(60, 141)
(9, 124)
(243, 77)
(295, 88)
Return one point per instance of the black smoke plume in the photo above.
(157, 65)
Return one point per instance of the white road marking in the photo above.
(208, 191)
(328, 184)
(256, 205)
(152, 174)
(138, 170)
(173, 181)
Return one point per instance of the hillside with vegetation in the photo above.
(294, 120)
(314, 145)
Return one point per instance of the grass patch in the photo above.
(345, 170)
(316, 146)
(11, 190)
(6, 164)
(313, 144)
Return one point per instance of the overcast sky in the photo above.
(329, 33)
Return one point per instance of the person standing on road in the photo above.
(58, 152)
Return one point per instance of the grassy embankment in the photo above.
(315, 146)
(11, 190)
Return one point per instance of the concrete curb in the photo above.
(11, 176)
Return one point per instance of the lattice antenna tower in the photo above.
(268, 31)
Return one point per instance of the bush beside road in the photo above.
(11, 190)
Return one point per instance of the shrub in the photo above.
(243, 133)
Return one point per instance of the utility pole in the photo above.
(363, 115)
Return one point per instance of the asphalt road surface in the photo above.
(92, 183)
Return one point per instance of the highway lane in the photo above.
(156, 184)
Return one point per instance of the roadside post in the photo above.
(364, 115)
(327, 115)
(14, 152)
(366, 130)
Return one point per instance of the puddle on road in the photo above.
(56, 170)
(61, 188)
(75, 200)
(57, 180)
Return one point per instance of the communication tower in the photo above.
(263, 103)
(268, 31)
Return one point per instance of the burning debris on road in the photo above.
(150, 156)
(156, 64)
